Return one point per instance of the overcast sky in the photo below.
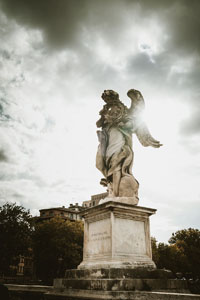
(56, 58)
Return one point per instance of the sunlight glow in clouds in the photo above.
(52, 79)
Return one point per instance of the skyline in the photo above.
(57, 57)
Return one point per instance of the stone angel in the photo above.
(115, 155)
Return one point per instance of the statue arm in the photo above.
(129, 124)
(101, 121)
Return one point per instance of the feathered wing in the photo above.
(136, 109)
(145, 137)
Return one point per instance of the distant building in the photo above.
(94, 200)
(71, 213)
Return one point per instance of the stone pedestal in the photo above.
(117, 261)
(117, 235)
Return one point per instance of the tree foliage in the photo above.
(187, 242)
(15, 233)
(182, 254)
(57, 246)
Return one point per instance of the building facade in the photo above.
(71, 213)
(94, 200)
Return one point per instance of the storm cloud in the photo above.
(56, 58)
(65, 22)
(2, 156)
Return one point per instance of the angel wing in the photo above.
(142, 132)
(145, 137)
(137, 102)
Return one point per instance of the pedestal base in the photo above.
(124, 200)
(117, 235)
(117, 262)
(140, 284)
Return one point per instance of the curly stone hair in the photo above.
(112, 98)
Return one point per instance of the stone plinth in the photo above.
(117, 261)
(127, 284)
(117, 235)
(120, 280)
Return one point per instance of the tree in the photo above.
(170, 257)
(15, 234)
(57, 246)
(155, 255)
(187, 242)
(182, 254)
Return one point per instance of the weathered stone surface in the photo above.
(28, 292)
(29, 288)
(119, 295)
(117, 273)
(32, 292)
(115, 155)
(122, 284)
(125, 200)
(117, 235)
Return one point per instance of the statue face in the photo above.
(114, 111)
(114, 114)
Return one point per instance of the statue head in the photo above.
(114, 111)
(110, 96)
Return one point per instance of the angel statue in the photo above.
(115, 155)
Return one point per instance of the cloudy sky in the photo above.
(56, 58)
